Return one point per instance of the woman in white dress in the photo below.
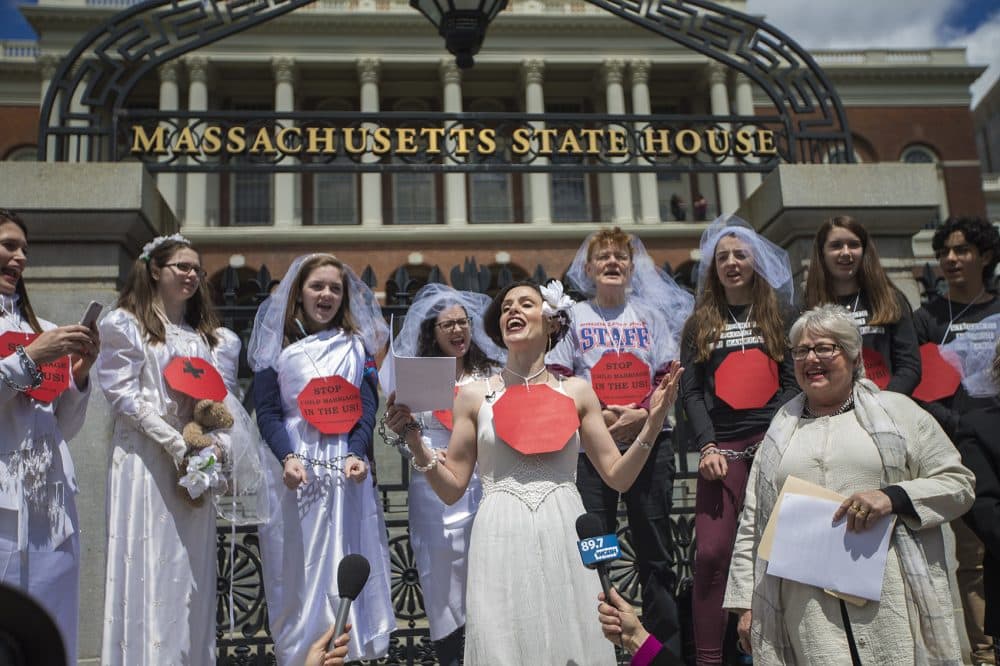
(39, 541)
(530, 600)
(160, 595)
(314, 337)
(443, 322)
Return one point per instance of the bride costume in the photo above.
(39, 537)
(160, 597)
(312, 528)
(530, 600)
(440, 533)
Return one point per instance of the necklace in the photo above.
(607, 329)
(529, 377)
(857, 298)
(810, 414)
(741, 326)
(952, 320)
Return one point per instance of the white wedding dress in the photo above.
(530, 599)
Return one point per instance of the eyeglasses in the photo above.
(184, 267)
(824, 351)
(454, 324)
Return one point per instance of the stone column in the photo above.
(613, 73)
(48, 64)
(729, 194)
(744, 107)
(454, 183)
(649, 203)
(196, 190)
(286, 185)
(371, 183)
(534, 102)
(169, 101)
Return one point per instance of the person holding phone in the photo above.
(39, 526)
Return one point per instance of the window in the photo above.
(918, 154)
(414, 195)
(335, 195)
(491, 197)
(251, 193)
(570, 202)
(23, 154)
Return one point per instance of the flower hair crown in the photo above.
(148, 248)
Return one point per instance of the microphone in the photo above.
(352, 574)
(597, 549)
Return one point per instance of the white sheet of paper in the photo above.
(809, 549)
(422, 383)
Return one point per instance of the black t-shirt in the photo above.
(711, 417)
(938, 323)
(896, 343)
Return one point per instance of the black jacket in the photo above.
(979, 442)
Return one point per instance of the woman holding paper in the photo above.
(443, 322)
(39, 535)
(312, 352)
(887, 456)
(524, 428)
(739, 374)
(160, 595)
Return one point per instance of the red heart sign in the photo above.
(620, 379)
(535, 419)
(938, 378)
(195, 377)
(332, 405)
(747, 379)
(55, 375)
(876, 369)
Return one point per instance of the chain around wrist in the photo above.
(290, 456)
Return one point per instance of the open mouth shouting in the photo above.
(10, 276)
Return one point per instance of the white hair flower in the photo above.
(148, 248)
(554, 300)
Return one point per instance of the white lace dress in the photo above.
(530, 600)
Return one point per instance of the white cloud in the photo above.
(897, 24)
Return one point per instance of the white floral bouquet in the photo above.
(203, 472)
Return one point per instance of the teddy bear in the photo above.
(208, 415)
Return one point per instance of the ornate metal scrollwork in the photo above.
(84, 115)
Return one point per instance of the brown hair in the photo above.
(139, 296)
(491, 318)
(882, 294)
(614, 237)
(705, 324)
(23, 304)
(473, 361)
(294, 314)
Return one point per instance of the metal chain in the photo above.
(334, 464)
(746, 454)
(396, 441)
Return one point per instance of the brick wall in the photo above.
(18, 129)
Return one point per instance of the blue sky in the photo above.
(974, 24)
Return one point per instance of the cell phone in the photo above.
(90, 314)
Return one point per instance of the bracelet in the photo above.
(423, 469)
(29, 367)
(645, 446)
(288, 457)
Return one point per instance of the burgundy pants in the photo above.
(718, 505)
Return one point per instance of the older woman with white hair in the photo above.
(888, 456)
